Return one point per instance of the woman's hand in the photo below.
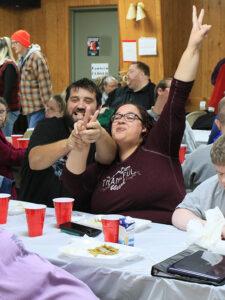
(89, 130)
(199, 30)
(74, 141)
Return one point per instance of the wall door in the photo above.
(95, 43)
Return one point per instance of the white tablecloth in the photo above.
(130, 281)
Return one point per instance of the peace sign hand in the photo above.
(199, 30)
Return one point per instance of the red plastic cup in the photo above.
(182, 152)
(110, 226)
(35, 215)
(63, 209)
(23, 143)
(15, 138)
(4, 204)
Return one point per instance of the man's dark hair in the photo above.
(85, 84)
(162, 84)
(143, 67)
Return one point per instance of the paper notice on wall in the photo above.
(129, 48)
(147, 46)
(99, 70)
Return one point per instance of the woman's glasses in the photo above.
(129, 117)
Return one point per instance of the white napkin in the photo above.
(208, 235)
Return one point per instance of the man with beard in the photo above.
(50, 143)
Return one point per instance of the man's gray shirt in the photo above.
(207, 195)
(198, 167)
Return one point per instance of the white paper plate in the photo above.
(79, 249)
(95, 222)
(17, 207)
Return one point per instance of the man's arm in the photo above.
(182, 216)
(42, 157)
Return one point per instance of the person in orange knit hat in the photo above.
(35, 83)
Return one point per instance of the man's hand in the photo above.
(90, 130)
(85, 132)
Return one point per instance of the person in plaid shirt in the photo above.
(35, 83)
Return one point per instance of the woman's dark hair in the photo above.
(147, 120)
(2, 101)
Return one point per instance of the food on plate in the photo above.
(104, 250)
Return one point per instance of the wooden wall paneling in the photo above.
(49, 26)
(8, 21)
(212, 50)
(148, 27)
(176, 28)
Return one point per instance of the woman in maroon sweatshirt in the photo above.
(9, 156)
(145, 180)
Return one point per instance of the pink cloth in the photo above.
(26, 276)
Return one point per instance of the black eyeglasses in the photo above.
(129, 117)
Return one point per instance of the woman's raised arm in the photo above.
(187, 68)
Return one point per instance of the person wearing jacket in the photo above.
(35, 83)
(9, 156)
(9, 84)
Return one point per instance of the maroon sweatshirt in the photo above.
(149, 183)
(9, 157)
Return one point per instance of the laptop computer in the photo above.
(201, 264)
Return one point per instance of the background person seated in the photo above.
(215, 133)
(198, 165)
(9, 156)
(139, 89)
(207, 195)
(145, 180)
(161, 96)
(107, 85)
(55, 107)
(29, 276)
